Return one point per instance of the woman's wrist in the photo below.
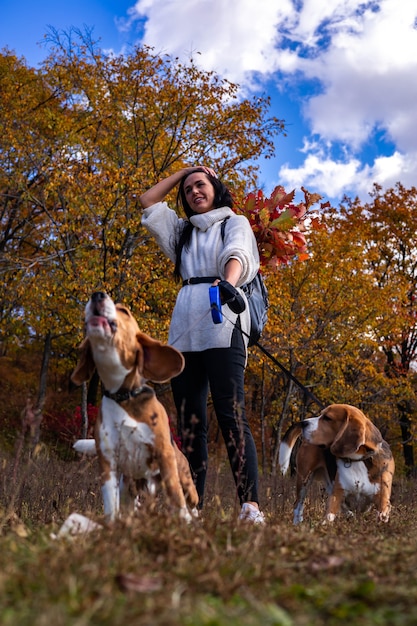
(161, 189)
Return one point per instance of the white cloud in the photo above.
(367, 74)
(360, 56)
(368, 78)
(396, 168)
(333, 179)
(234, 38)
(330, 178)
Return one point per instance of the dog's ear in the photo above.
(159, 362)
(350, 436)
(357, 432)
(373, 437)
(85, 367)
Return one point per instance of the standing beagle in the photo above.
(343, 448)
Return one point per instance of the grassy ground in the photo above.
(155, 570)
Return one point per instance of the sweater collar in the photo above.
(203, 221)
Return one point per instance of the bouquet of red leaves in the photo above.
(279, 224)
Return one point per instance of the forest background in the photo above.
(81, 138)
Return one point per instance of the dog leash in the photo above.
(295, 380)
(289, 375)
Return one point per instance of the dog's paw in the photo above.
(186, 515)
(383, 516)
(329, 519)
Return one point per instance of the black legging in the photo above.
(223, 370)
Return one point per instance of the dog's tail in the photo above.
(86, 446)
(287, 444)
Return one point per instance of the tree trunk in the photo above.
(84, 412)
(278, 428)
(406, 436)
(36, 422)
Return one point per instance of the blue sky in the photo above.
(341, 73)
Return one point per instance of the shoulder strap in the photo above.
(223, 226)
(184, 237)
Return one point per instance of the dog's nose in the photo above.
(304, 424)
(98, 296)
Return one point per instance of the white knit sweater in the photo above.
(192, 328)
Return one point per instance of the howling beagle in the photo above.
(132, 436)
(343, 448)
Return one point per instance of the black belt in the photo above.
(195, 280)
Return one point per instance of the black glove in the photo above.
(230, 296)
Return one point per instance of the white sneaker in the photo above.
(250, 513)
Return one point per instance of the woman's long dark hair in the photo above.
(222, 197)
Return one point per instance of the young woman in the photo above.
(207, 250)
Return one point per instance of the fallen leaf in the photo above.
(139, 584)
(326, 563)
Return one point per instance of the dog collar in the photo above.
(348, 462)
(124, 394)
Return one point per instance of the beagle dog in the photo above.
(133, 439)
(343, 448)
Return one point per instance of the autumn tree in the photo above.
(391, 258)
(28, 110)
(81, 138)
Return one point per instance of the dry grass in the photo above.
(155, 570)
